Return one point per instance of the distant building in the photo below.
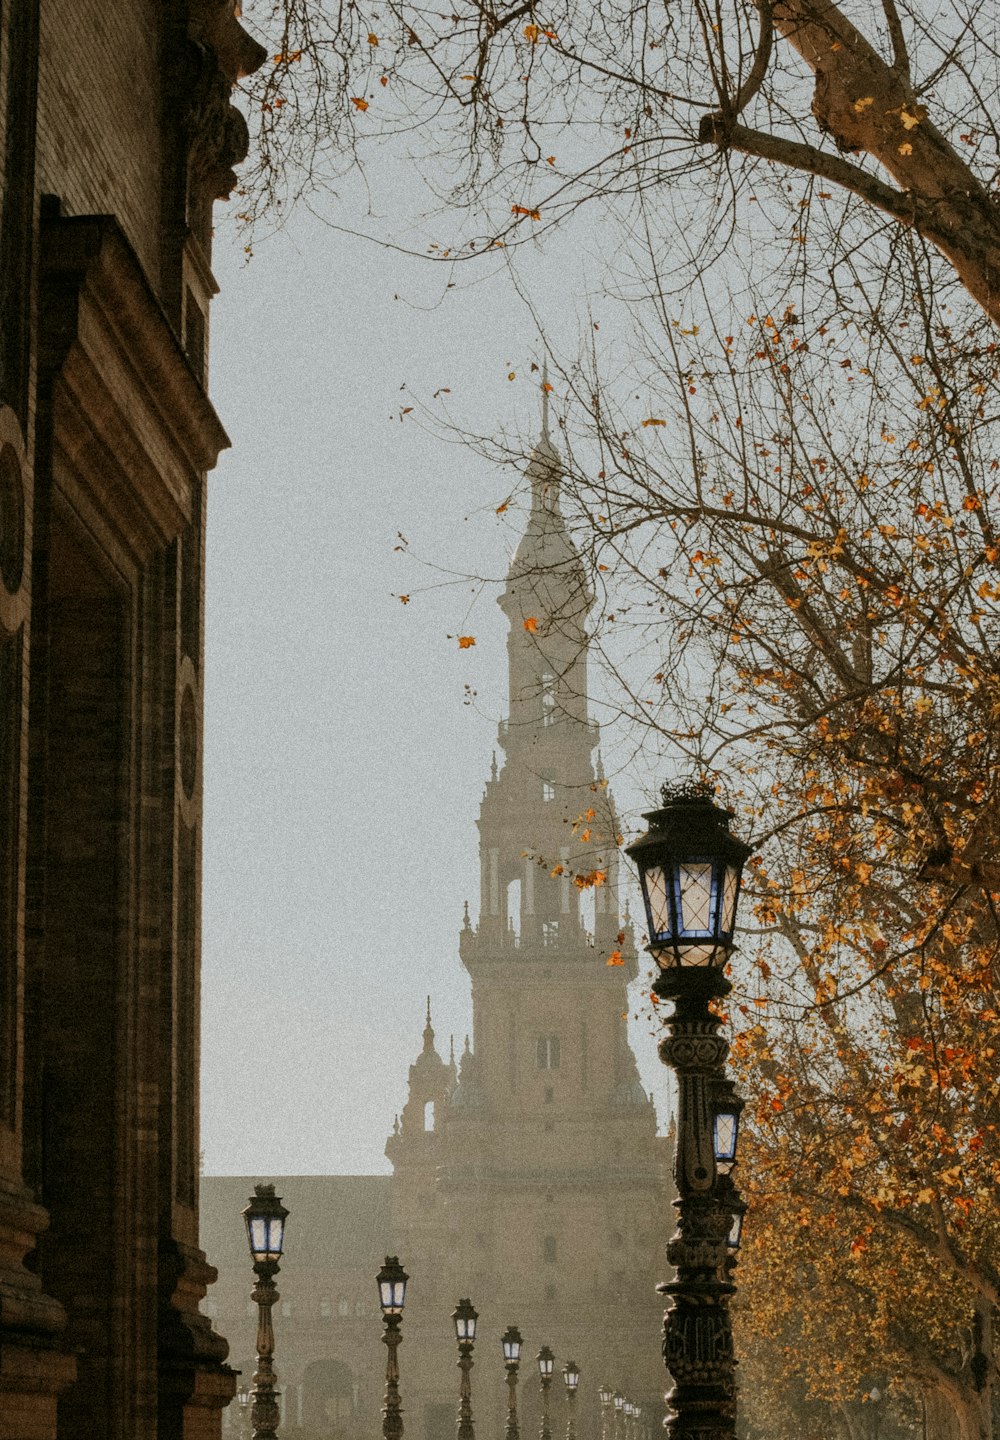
(116, 137)
(527, 1176)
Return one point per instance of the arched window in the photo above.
(548, 790)
(549, 1249)
(550, 933)
(343, 1307)
(514, 907)
(429, 1115)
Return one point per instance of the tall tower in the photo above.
(535, 1182)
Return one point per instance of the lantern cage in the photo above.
(265, 1218)
(511, 1342)
(725, 1134)
(546, 1361)
(571, 1375)
(465, 1316)
(391, 1281)
(690, 867)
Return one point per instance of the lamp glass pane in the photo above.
(698, 954)
(512, 1350)
(276, 1235)
(392, 1293)
(725, 1136)
(258, 1236)
(695, 894)
(657, 902)
(730, 894)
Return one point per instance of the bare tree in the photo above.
(520, 113)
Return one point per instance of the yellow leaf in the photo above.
(906, 148)
(372, 38)
(531, 33)
(863, 103)
(531, 624)
(652, 421)
(359, 102)
(512, 375)
(466, 642)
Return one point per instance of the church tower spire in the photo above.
(549, 859)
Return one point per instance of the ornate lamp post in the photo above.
(618, 1401)
(605, 1395)
(571, 1376)
(512, 1343)
(690, 867)
(265, 1218)
(465, 1316)
(546, 1362)
(391, 1281)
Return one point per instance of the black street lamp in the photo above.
(618, 1401)
(465, 1316)
(391, 1281)
(571, 1376)
(511, 1343)
(690, 867)
(265, 1218)
(546, 1362)
(606, 1396)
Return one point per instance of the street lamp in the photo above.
(618, 1401)
(391, 1281)
(571, 1376)
(465, 1316)
(243, 1400)
(605, 1396)
(511, 1343)
(264, 1217)
(690, 867)
(546, 1362)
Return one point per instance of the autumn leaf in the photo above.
(372, 38)
(359, 102)
(616, 958)
(531, 624)
(466, 642)
(652, 421)
(404, 599)
(524, 210)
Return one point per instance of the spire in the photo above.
(493, 766)
(428, 1030)
(466, 922)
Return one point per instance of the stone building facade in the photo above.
(116, 138)
(527, 1174)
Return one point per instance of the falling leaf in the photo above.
(404, 599)
(550, 159)
(512, 375)
(547, 388)
(524, 210)
(466, 642)
(372, 38)
(531, 624)
(531, 33)
(615, 958)
(359, 102)
(653, 421)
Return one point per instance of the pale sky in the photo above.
(343, 768)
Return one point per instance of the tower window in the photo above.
(549, 1249)
(548, 698)
(548, 790)
(548, 1052)
(429, 1115)
(550, 933)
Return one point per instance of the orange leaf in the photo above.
(652, 421)
(372, 38)
(531, 33)
(466, 642)
(524, 210)
(404, 599)
(615, 958)
(361, 104)
(531, 624)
